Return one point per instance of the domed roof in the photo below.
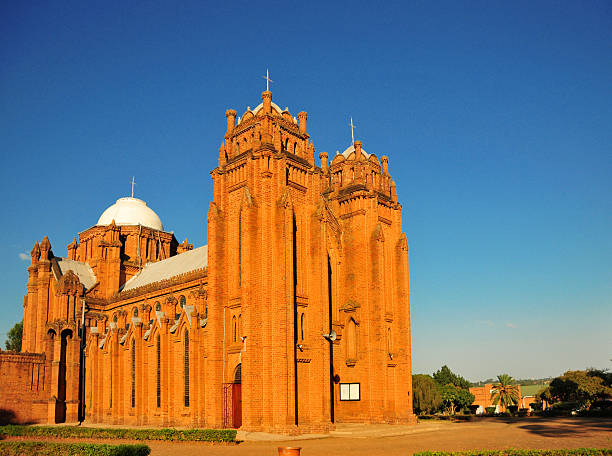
(131, 211)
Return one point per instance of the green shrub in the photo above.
(490, 410)
(514, 452)
(207, 435)
(71, 449)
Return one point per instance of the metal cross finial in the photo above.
(133, 183)
(352, 125)
(268, 80)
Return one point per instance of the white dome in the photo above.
(131, 211)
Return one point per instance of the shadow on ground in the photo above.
(562, 427)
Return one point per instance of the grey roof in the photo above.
(82, 270)
(173, 266)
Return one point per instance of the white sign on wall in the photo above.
(350, 391)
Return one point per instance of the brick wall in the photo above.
(24, 390)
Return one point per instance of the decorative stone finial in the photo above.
(302, 117)
(323, 156)
(35, 253)
(357, 146)
(385, 164)
(45, 248)
(231, 120)
(267, 101)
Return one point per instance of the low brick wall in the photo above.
(24, 390)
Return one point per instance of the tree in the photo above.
(580, 386)
(454, 398)
(444, 376)
(14, 337)
(426, 396)
(505, 392)
(544, 395)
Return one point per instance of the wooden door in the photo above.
(236, 405)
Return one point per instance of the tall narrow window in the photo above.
(158, 371)
(133, 373)
(186, 368)
(234, 329)
(302, 327)
(182, 302)
(110, 355)
(157, 307)
(240, 248)
(351, 342)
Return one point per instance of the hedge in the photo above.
(71, 449)
(78, 432)
(514, 452)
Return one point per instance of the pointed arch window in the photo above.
(135, 312)
(110, 355)
(302, 318)
(182, 302)
(158, 343)
(133, 373)
(186, 361)
(351, 340)
(157, 307)
(234, 329)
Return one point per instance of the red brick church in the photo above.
(295, 316)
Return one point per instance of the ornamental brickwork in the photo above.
(298, 317)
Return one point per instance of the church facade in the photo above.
(295, 316)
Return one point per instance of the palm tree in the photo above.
(505, 392)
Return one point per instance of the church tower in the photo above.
(308, 265)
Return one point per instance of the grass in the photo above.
(71, 449)
(206, 435)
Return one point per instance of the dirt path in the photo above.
(482, 434)
(528, 433)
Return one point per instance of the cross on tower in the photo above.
(133, 183)
(352, 125)
(268, 80)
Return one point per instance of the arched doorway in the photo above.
(237, 397)
(60, 404)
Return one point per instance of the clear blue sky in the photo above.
(496, 117)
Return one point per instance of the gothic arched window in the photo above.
(351, 339)
(158, 371)
(302, 317)
(157, 307)
(133, 373)
(182, 302)
(135, 312)
(186, 361)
